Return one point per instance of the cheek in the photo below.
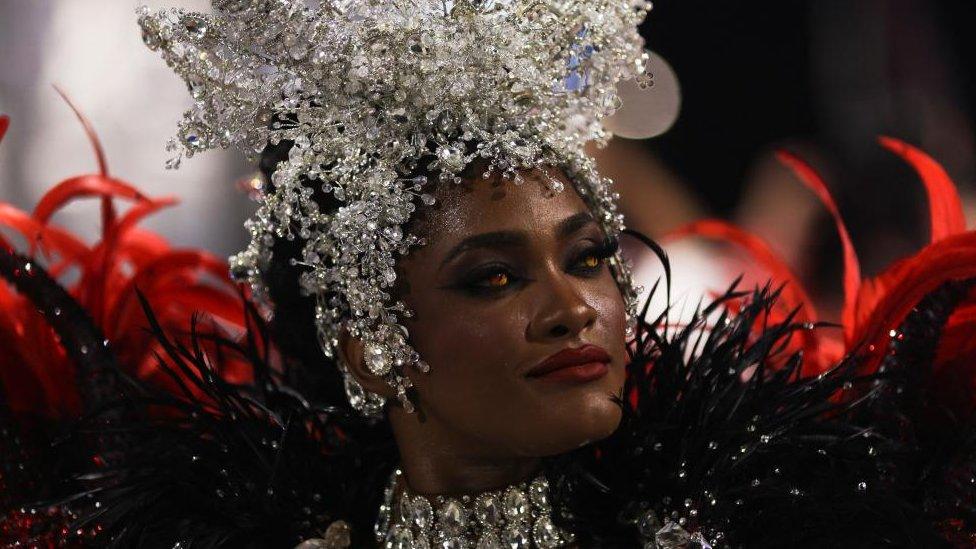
(470, 346)
(473, 387)
(475, 349)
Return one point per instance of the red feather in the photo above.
(178, 283)
(876, 306)
(895, 292)
(945, 208)
(852, 268)
(793, 296)
(82, 187)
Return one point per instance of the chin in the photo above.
(597, 419)
(594, 418)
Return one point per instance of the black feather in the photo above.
(725, 434)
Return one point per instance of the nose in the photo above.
(563, 313)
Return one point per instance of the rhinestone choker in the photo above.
(518, 516)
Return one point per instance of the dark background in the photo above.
(825, 76)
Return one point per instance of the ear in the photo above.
(351, 353)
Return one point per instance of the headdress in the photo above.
(374, 92)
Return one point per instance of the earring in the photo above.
(378, 362)
(367, 403)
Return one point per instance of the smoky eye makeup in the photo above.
(589, 257)
(490, 278)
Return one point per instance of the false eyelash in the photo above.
(608, 247)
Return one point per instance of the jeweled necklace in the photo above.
(519, 516)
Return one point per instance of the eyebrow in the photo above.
(508, 239)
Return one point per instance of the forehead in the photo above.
(493, 204)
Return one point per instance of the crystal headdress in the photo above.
(373, 92)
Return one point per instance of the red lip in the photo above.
(582, 364)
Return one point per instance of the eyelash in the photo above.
(474, 283)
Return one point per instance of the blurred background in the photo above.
(822, 78)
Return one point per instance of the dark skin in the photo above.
(486, 313)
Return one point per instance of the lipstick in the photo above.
(581, 365)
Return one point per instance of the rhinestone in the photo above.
(649, 524)
(399, 538)
(193, 138)
(338, 535)
(451, 158)
(515, 505)
(450, 542)
(489, 540)
(672, 536)
(539, 492)
(197, 86)
(515, 537)
(195, 26)
(404, 509)
(354, 392)
(423, 514)
(376, 360)
(698, 541)
(450, 517)
(544, 533)
(487, 510)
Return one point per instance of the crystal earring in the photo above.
(367, 403)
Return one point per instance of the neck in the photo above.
(437, 461)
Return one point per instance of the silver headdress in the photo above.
(369, 90)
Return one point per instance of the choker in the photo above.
(519, 516)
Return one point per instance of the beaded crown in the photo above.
(373, 92)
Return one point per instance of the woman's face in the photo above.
(511, 275)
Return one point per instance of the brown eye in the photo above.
(498, 280)
(590, 261)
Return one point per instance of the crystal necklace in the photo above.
(517, 517)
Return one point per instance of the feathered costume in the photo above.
(748, 425)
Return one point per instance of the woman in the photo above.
(432, 238)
